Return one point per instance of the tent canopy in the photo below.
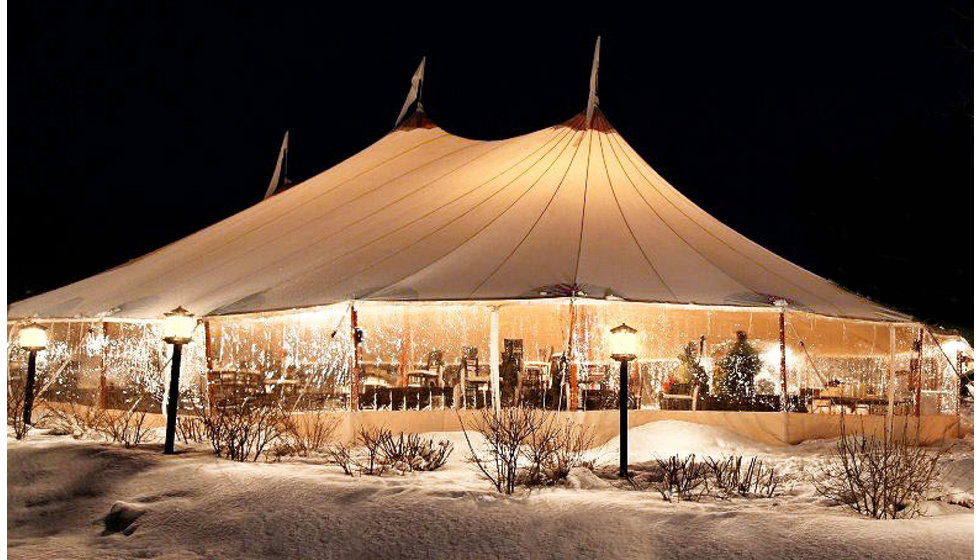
(423, 214)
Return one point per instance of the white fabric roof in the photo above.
(426, 215)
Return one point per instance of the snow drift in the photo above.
(75, 499)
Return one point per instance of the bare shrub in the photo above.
(755, 480)
(432, 455)
(881, 478)
(341, 454)
(127, 427)
(568, 447)
(506, 436)
(15, 416)
(680, 478)
(377, 451)
(241, 431)
(191, 429)
(281, 449)
(412, 452)
(553, 448)
(375, 461)
(537, 451)
(74, 419)
(396, 451)
(309, 433)
(16, 401)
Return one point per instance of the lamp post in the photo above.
(178, 330)
(623, 349)
(32, 337)
(782, 304)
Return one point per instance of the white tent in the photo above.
(423, 214)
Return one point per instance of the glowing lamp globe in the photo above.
(622, 343)
(32, 337)
(178, 326)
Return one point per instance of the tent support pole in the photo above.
(891, 382)
(104, 374)
(495, 357)
(782, 371)
(406, 361)
(782, 358)
(209, 360)
(572, 402)
(355, 391)
(918, 374)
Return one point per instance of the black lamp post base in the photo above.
(172, 397)
(29, 386)
(623, 419)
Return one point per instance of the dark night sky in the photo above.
(839, 136)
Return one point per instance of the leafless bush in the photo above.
(341, 454)
(375, 461)
(16, 401)
(309, 433)
(191, 429)
(680, 478)
(127, 427)
(432, 455)
(281, 449)
(15, 415)
(412, 452)
(881, 478)
(242, 431)
(569, 445)
(506, 437)
(377, 451)
(74, 419)
(553, 448)
(755, 480)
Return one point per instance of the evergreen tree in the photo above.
(694, 372)
(735, 373)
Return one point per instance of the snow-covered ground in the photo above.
(193, 505)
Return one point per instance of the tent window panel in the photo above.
(302, 359)
(533, 339)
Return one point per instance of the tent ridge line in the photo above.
(557, 138)
(636, 188)
(544, 210)
(474, 235)
(585, 202)
(337, 209)
(622, 213)
(237, 217)
(726, 244)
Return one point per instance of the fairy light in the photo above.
(300, 344)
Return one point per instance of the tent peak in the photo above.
(414, 93)
(598, 122)
(418, 119)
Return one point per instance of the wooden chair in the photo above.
(474, 377)
(430, 375)
(666, 398)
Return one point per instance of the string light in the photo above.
(304, 346)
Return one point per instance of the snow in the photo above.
(78, 499)
(671, 437)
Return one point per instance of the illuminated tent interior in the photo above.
(451, 260)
